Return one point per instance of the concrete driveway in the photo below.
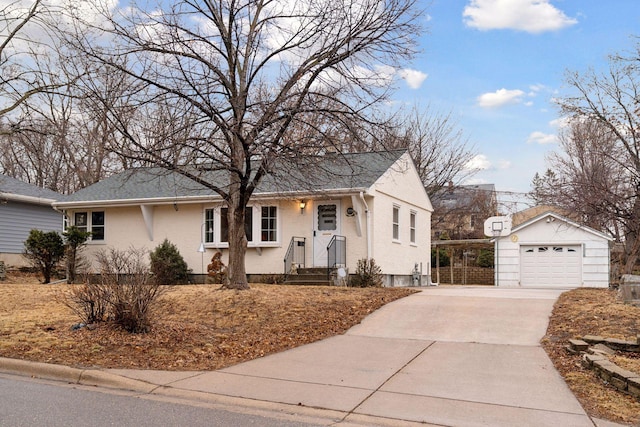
(445, 356)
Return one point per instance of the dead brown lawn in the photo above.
(204, 328)
(196, 327)
(594, 312)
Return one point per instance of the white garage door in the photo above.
(553, 266)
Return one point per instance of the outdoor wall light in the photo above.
(303, 204)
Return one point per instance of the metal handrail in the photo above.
(295, 254)
(336, 253)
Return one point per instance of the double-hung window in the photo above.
(269, 224)
(396, 222)
(412, 227)
(208, 226)
(92, 222)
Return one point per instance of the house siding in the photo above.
(18, 219)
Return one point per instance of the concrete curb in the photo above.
(88, 377)
(100, 378)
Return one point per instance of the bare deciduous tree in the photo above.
(24, 58)
(59, 139)
(598, 169)
(438, 146)
(232, 80)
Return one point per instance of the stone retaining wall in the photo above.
(595, 357)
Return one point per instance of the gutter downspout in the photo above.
(367, 224)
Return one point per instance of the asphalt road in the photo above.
(30, 402)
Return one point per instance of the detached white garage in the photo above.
(550, 250)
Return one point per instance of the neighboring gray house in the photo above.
(459, 211)
(24, 207)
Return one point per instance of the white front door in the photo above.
(326, 224)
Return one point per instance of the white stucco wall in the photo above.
(125, 228)
(595, 250)
(401, 187)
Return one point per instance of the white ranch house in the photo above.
(366, 205)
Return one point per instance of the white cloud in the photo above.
(414, 78)
(542, 138)
(479, 162)
(504, 164)
(500, 97)
(532, 16)
(537, 88)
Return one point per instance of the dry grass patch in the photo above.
(194, 327)
(593, 312)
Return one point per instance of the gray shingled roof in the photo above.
(324, 173)
(12, 186)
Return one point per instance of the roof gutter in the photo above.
(27, 199)
(196, 199)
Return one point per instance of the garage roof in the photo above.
(552, 216)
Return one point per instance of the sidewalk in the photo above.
(445, 356)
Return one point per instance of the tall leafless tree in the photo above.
(58, 139)
(240, 76)
(438, 145)
(598, 169)
(37, 106)
(24, 59)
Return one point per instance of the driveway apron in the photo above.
(448, 356)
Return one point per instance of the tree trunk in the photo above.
(632, 239)
(631, 249)
(237, 273)
(71, 264)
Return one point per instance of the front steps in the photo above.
(316, 276)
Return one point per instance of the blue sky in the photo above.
(497, 64)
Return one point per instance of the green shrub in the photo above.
(367, 274)
(168, 266)
(485, 258)
(44, 251)
(444, 258)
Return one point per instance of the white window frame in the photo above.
(208, 226)
(270, 220)
(256, 225)
(413, 220)
(89, 226)
(395, 223)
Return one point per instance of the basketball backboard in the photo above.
(497, 226)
